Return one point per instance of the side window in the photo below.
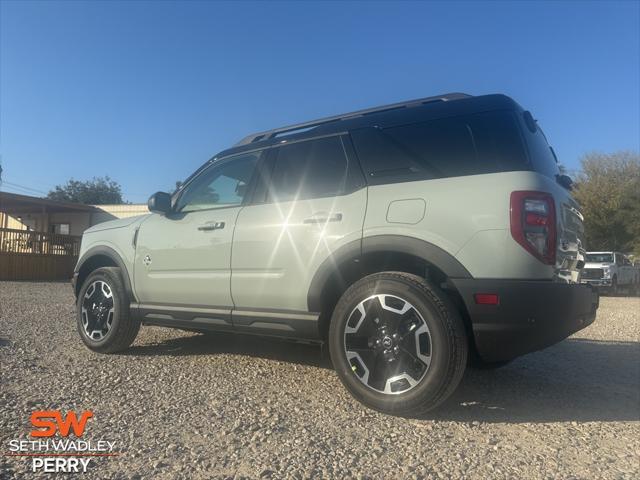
(221, 185)
(309, 169)
(618, 259)
(421, 150)
(449, 147)
(498, 142)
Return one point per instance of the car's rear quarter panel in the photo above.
(468, 217)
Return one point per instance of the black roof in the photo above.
(450, 104)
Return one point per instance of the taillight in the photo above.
(533, 224)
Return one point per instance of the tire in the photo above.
(104, 322)
(614, 287)
(414, 316)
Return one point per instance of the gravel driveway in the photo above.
(183, 405)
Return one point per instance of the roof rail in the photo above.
(268, 134)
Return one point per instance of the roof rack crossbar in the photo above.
(268, 134)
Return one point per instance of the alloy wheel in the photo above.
(388, 344)
(97, 310)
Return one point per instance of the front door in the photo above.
(183, 259)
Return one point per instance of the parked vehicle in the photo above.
(611, 272)
(407, 237)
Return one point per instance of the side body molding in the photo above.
(354, 251)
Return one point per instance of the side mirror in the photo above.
(565, 181)
(160, 202)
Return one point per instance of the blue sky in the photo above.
(145, 92)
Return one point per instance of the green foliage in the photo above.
(608, 190)
(97, 191)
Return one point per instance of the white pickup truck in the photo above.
(611, 271)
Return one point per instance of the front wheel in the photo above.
(397, 343)
(104, 322)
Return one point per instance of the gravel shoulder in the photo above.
(186, 405)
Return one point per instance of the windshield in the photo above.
(600, 257)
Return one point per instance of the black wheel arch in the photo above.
(348, 259)
(101, 256)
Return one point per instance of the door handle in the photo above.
(336, 217)
(211, 226)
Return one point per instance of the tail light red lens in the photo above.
(533, 224)
(535, 219)
(487, 298)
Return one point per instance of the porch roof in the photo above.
(15, 204)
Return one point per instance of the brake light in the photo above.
(533, 224)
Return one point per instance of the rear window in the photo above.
(542, 158)
(487, 142)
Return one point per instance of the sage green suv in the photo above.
(408, 237)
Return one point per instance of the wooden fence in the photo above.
(27, 255)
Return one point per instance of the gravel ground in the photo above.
(183, 405)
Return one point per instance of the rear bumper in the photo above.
(531, 315)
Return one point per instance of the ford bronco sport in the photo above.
(407, 237)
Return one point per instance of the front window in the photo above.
(221, 185)
(600, 257)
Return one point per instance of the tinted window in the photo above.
(309, 169)
(498, 141)
(220, 185)
(543, 160)
(599, 257)
(482, 143)
(618, 259)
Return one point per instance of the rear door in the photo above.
(313, 202)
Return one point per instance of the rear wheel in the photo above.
(397, 343)
(103, 319)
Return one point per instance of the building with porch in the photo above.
(40, 238)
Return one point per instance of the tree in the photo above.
(608, 190)
(630, 212)
(97, 191)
